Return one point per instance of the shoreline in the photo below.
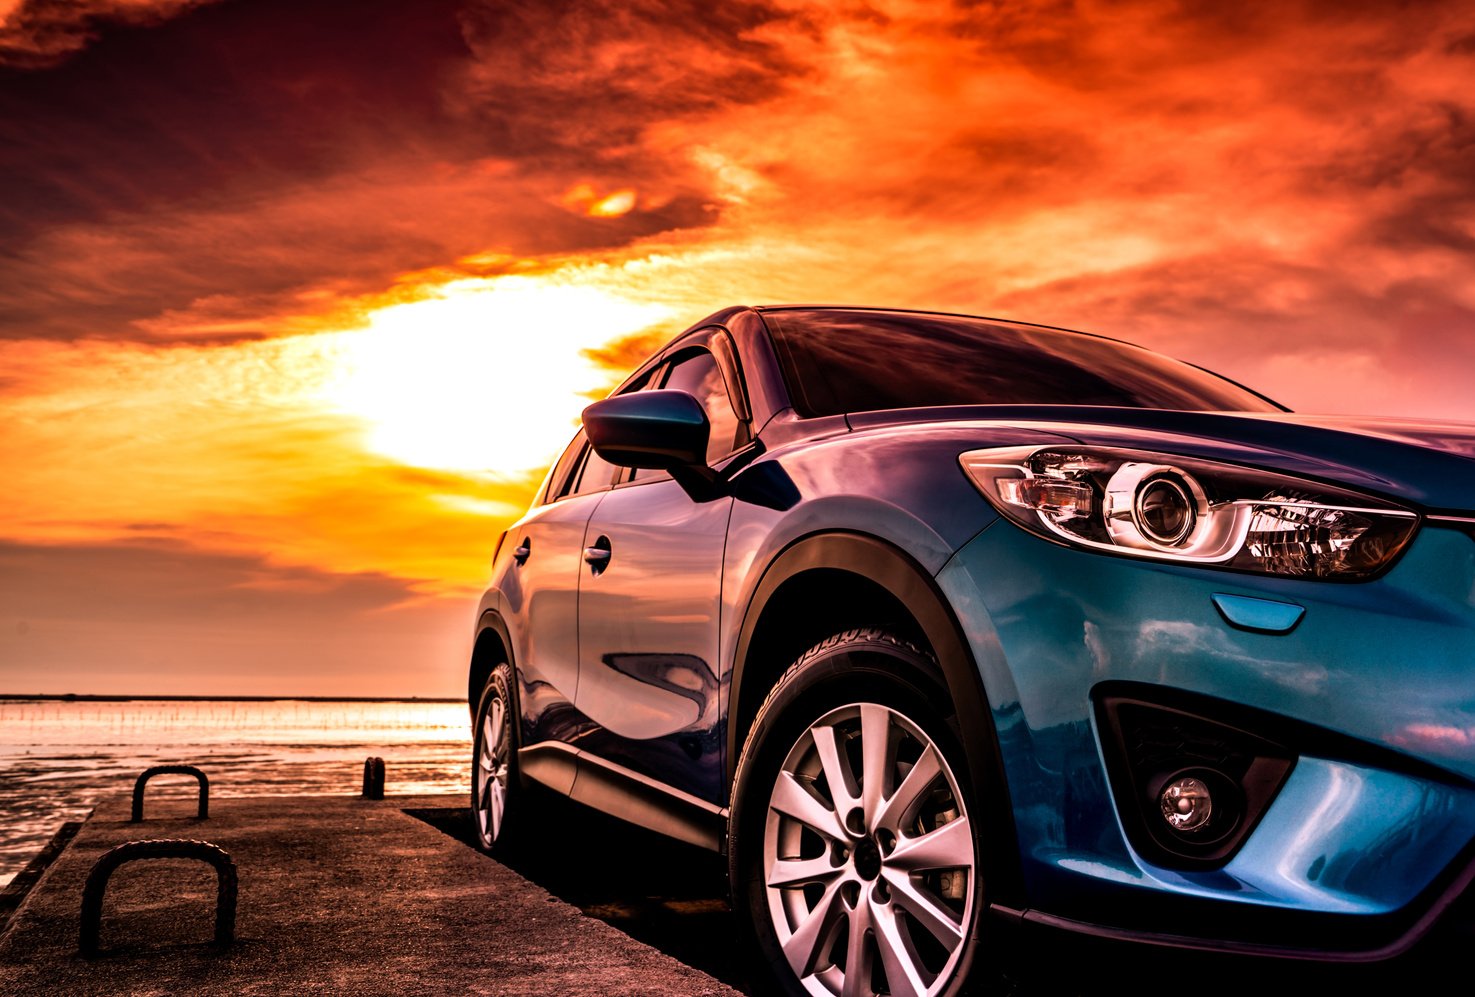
(15, 891)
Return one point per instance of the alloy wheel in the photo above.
(491, 770)
(868, 857)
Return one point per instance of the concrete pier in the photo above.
(337, 895)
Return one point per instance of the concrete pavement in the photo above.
(337, 896)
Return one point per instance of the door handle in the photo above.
(597, 557)
(520, 555)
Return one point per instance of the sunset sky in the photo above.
(298, 299)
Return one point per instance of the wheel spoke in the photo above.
(805, 946)
(499, 724)
(858, 953)
(496, 801)
(836, 768)
(938, 920)
(877, 757)
(947, 847)
(796, 872)
(794, 799)
(902, 977)
(911, 789)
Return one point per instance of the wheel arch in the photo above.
(493, 646)
(806, 589)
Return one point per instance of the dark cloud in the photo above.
(41, 33)
(245, 155)
(224, 273)
(587, 77)
(151, 614)
(220, 103)
(142, 173)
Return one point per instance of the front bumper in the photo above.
(1365, 840)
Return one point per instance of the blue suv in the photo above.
(928, 621)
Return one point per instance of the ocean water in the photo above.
(57, 757)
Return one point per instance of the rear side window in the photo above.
(851, 360)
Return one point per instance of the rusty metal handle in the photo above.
(159, 848)
(149, 773)
(373, 778)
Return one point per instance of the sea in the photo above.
(58, 757)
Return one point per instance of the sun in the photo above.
(483, 375)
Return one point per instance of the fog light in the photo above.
(1186, 804)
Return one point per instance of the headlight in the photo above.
(1190, 510)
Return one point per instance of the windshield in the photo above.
(852, 360)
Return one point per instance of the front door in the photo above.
(648, 618)
(648, 610)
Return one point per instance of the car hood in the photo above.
(1451, 437)
(1428, 464)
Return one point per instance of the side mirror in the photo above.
(666, 430)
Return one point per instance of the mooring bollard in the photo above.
(149, 773)
(373, 778)
(159, 848)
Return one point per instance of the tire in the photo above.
(497, 796)
(877, 888)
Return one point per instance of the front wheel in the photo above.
(496, 797)
(855, 855)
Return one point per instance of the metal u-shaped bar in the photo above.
(149, 773)
(160, 848)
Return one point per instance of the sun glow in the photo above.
(396, 441)
(585, 199)
(482, 374)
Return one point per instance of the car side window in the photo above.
(697, 372)
(580, 470)
(572, 475)
(561, 481)
(596, 473)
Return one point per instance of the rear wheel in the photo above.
(496, 797)
(854, 852)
